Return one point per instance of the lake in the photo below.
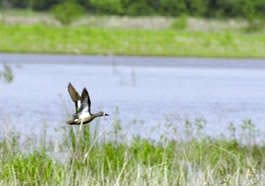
(145, 93)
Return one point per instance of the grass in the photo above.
(32, 32)
(93, 160)
(114, 41)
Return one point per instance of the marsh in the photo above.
(171, 89)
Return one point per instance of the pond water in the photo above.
(144, 96)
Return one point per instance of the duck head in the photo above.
(101, 113)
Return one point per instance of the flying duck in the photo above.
(82, 103)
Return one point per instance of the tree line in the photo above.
(202, 8)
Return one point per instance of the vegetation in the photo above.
(169, 42)
(180, 24)
(203, 8)
(7, 73)
(88, 157)
(67, 12)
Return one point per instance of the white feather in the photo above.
(85, 109)
(78, 104)
(84, 115)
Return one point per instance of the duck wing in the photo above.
(85, 101)
(75, 97)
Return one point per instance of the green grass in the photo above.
(93, 160)
(169, 42)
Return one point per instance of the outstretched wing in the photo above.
(85, 101)
(75, 97)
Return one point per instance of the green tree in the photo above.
(173, 7)
(197, 7)
(138, 7)
(107, 6)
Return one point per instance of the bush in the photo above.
(67, 12)
(255, 25)
(180, 24)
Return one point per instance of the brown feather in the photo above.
(73, 93)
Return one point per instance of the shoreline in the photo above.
(191, 62)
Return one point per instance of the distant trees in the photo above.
(34, 4)
(107, 6)
(203, 8)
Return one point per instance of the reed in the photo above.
(89, 157)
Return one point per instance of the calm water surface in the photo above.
(147, 95)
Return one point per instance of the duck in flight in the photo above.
(82, 103)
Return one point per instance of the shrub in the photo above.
(180, 23)
(254, 25)
(67, 12)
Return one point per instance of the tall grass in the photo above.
(104, 41)
(86, 157)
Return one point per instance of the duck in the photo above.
(82, 103)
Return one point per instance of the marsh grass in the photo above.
(94, 160)
(7, 73)
(31, 32)
(108, 41)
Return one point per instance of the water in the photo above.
(149, 95)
